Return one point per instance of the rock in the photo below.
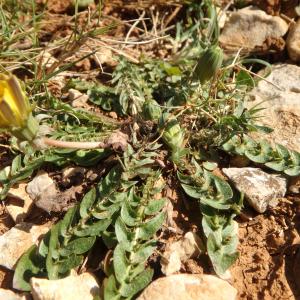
(294, 185)
(71, 173)
(47, 59)
(170, 261)
(251, 27)
(261, 189)
(10, 295)
(189, 287)
(72, 287)
(192, 245)
(40, 183)
(280, 96)
(293, 42)
(17, 240)
(18, 202)
(179, 252)
(78, 99)
(277, 7)
(104, 56)
(118, 140)
(42, 189)
(113, 115)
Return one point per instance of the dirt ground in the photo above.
(269, 262)
(268, 266)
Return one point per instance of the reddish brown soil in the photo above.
(268, 248)
(269, 263)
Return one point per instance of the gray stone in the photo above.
(17, 240)
(279, 94)
(72, 287)
(40, 183)
(42, 189)
(293, 42)
(251, 27)
(189, 287)
(262, 190)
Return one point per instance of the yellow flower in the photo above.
(15, 110)
(14, 106)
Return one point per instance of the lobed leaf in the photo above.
(149, 228)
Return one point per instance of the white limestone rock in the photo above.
(293, 42)
(73, 287)
(279, 94)
(17, 240)
(189, 287)
(262, 190)
(251, 27)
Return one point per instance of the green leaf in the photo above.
(192, 191)
(282, 151)
(228, 147)
(149, 228)
(210, 224)
(87, 158)
(66, 265)
(107, 209)
(221, 260)
(124, 236)
(137, 284)
(127, 214)
(144, 252)
(78, 246)
(87, 202)
(93, 229)
(155, 206)
(68, 220)
(223, 188)
(100, 214)
(120, 263)
(111, 180)
(109, 239)
(103, 96)
(29, 265)
(260, 158)
(16, 165)
(210, 166)
(184, 178)
(54, 242)
(44, 245)
(52, 268)
(294, 171)
(110, 289)
(263, 129)
(276, 165)
(295, 157)
(52, 255)
(243, 78)
(215, 203)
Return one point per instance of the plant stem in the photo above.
(74, 145)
